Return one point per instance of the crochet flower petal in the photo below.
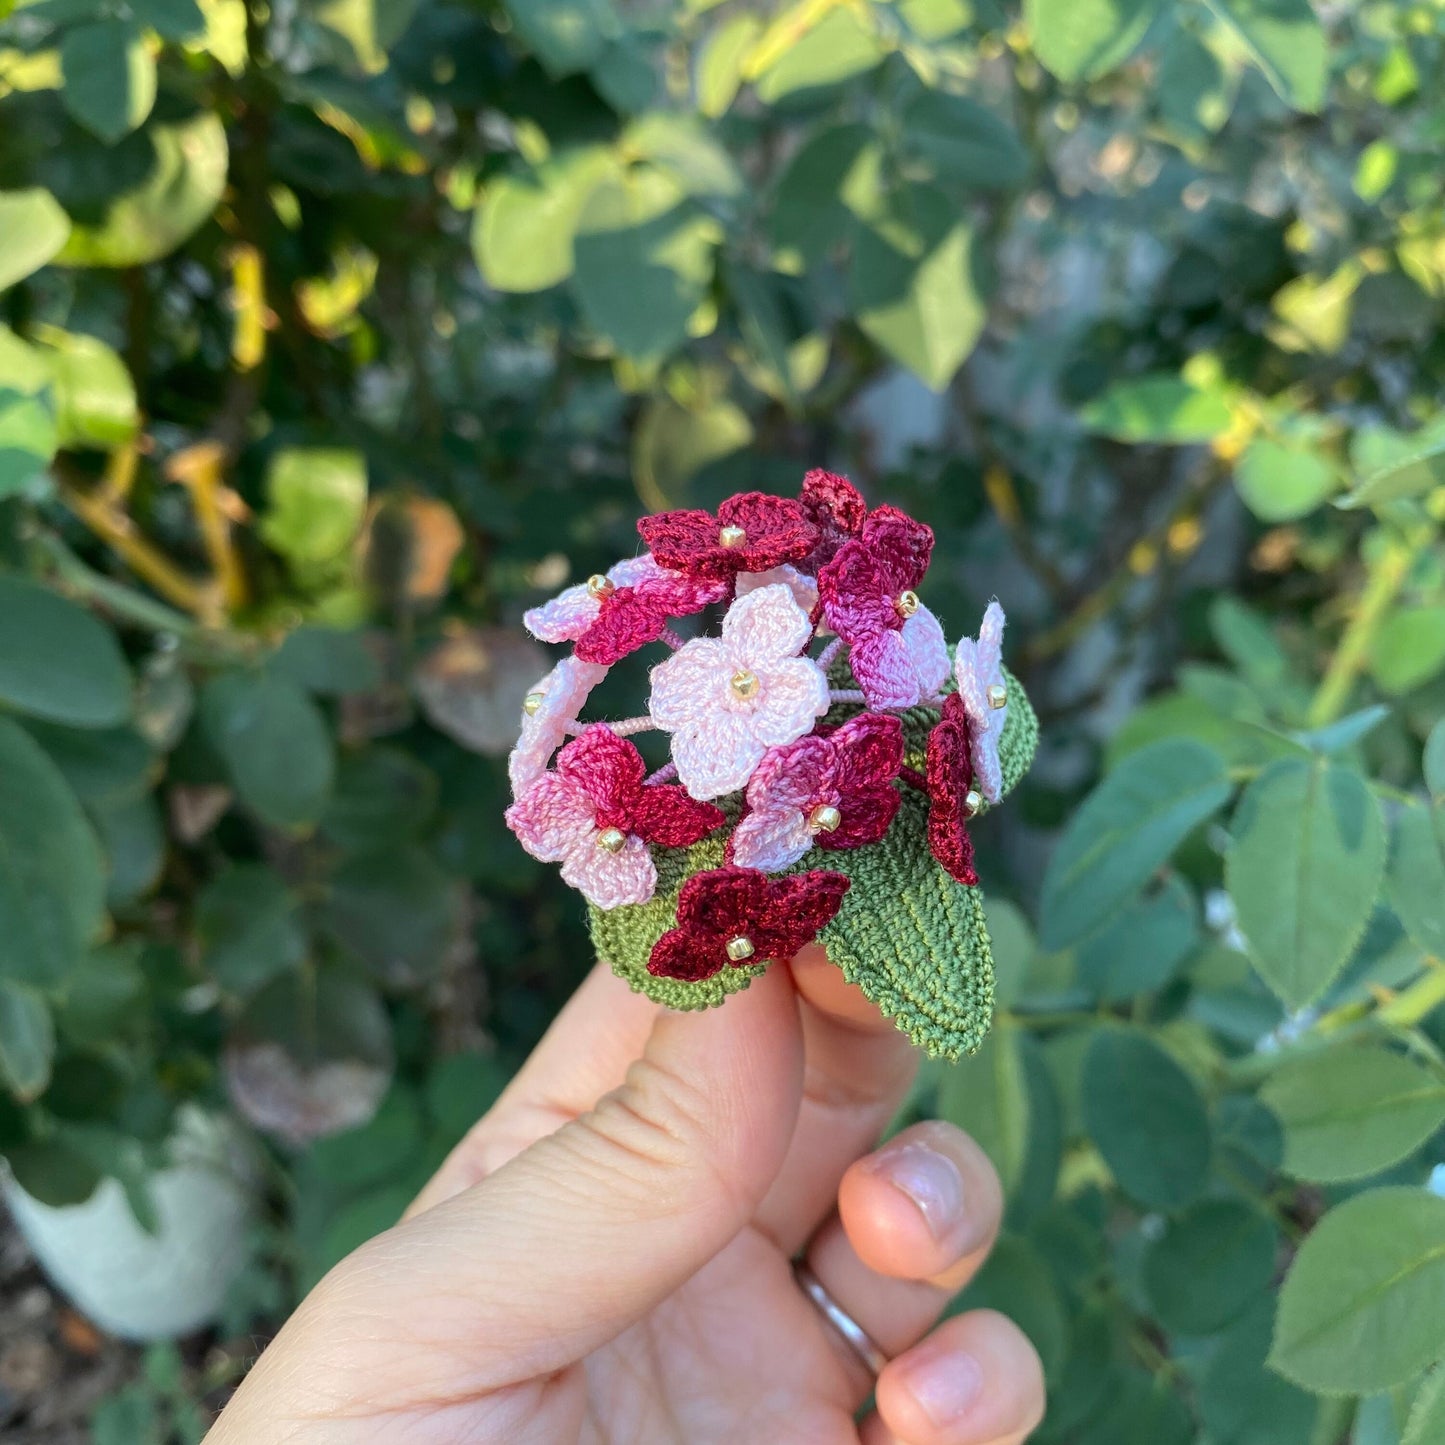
(628, 619)
(561, 695)
(566, 617)
(765, 624)
(869, 751)
(791, 776)
(950, 775)
(798, 906)
(777, 529)
(928, 651)
(792, 695)
(721, 901)
(666, 815)
(550, 817)
(676, 538)
(835, 506)
(978, 666)
(904, 546)
(866, 813)
(690, 684)
(610, 880)
(687, 956)
(770, 840)
(803, 587)
(858, 594)
(884, 669)
(606, 768)
(716, 754)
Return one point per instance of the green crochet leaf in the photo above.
(912, 939)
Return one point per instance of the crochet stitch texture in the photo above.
(830, 754)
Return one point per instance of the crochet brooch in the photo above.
(828, 754)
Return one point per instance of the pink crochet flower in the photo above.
(596, 815)
(827, 791)
(978, 666)
(626, 610)
(552, 706)
(752, 532)
(897, 649)
(727, 700)
(803, 587)
(837, 509)
(950, 776)
(739, 918)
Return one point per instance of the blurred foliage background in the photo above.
(337, 332)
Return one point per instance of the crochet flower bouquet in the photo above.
(828, 756)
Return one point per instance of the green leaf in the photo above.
(27, 443)
(95, 401)
(275, 744)
(1141, 949)
(1416, 879)
(1352, 1112)
(103, 765)
(1082, 39)
(1017, 1282)
(1303, 869)
(396, 911)
(686, 150)
(110, 77)
(1411, 476)
(832, 176)
(1434, 761)
(52, 883)
(1147, 1118)
(718, 73)
(38, 627)
(644, 261)
(672, 443)
(249, 927)
(987, 1097)
(316, 502)
(33, 228)
(1409, 648)
(369, 28)
(1125, 830)
(1157, 408)
(1209, 1265)
(134, 840)
(565, 35)
(383, 796)
(965, 143)
(1286, 41)
(524, 228)
(912, 285)
(1243, 1403)
(182, 187)
(1427, 1415)
(329, 661)
(1280, 482)
(172, 19)
(55, 1173)
(27, 1040)
(840, 47)
(1360, 1308)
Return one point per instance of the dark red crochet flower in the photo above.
(737, 917)
(950, 778)
(752, 532)
(836, 507)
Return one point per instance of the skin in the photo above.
(606, 1256)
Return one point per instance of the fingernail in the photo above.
(930, 1179)
(944, 1383)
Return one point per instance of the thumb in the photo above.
(587, 1230)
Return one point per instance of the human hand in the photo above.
(606, 1256)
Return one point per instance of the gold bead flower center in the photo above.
(907, 603)
(612, 840)
(997, 695)
(972, 802)
(599, 586)
(825, 818)
(740, 949)
(731, 537)
(744, 683)
(532, 703)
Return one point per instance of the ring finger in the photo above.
(915, 1221)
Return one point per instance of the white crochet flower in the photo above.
(978, 666)
(803, 587)
(552, 706)
(727, 700)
